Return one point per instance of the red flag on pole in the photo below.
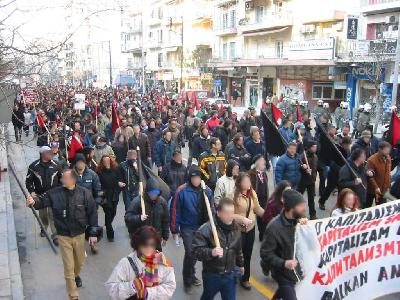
(276, 114)
(221, 110)
(115, 119)
(299, 115)
(74, 147)
(165, 100)
(40, 121)
(394, 129)
(197, 104)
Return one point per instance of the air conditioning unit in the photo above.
(309, 28)
(249, 5)
(391, 19)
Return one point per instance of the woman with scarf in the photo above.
(145, 273)
(107, 170)
(247, 209)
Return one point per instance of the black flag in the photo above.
(274, 142)
(327, 150)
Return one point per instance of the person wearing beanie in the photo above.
(309, 167)
(364, 143)
(226, 184)
(277, 248)
(259, 181)
(188, 213)
(156, 213)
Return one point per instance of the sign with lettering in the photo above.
(352, 28)
(353, 256)
(79, 101)
(312, 49)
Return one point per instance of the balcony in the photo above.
(268, 21)
(132, 46)
(172, 43)
(379, 6)
(224, 31)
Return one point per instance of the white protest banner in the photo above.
(354, 256)
(79, 101)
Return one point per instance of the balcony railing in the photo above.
(226, 31)
(268, 21)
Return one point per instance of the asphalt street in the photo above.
(42, 271)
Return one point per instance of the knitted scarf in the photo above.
(151, 264)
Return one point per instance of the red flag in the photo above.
(197, 104)
(165, 100)
(115, 119)
(299, 115)
(394, 129)
(40, 121)
(74, 147)
(221, 110)
(276, 114)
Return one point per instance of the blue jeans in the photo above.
(189, 260)
(219, 283)
(128, 197)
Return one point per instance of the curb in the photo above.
(10, 270)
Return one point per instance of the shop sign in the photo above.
(217, 82)
(367, 72)
(352, 27)
(312, 49)
(206, 76)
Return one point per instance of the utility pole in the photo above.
(396, 67)
(109, 52)
(181, 81)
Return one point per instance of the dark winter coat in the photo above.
(240, 154)
(200, 145)
(129, 175)
(120, 151)
(157, 212)
(278, 246)
(163, 151)
(91, 181)
(230, 238)
(73, 211)
(42, 176)
(143, 143)
(174, 175)
(109, 184)
(288, 168)
(347, 180)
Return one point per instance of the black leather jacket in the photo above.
(129, 175)
(42, 176)
(231, 243)
(73, 211)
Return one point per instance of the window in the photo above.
(160, 35)
(225, 20)
(160, 59)
(340, 94)
(322, 91)
(225, 51)
(232, 50)
(259, 14)
(232, 18)
(279, 49)
(150, 35)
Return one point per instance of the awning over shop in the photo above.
(265, 32)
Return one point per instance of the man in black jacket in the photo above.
(219, 263)
(44, 174)
(277, 248)
(174, 173)
(129, 178)
(74, 211)
(156, 213)
(358, 182)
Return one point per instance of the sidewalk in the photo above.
(10, 271)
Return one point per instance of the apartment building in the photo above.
(266, 47)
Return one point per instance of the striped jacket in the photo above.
(212, 166)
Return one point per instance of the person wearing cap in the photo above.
(102, 148)
(43, 175)
(309, 167)
(277, 249)
(156, 213)
(128, 179)
(225, 186)
(259, 181)
(174, 172)
(364, 143)
(288, 166)
(188, 212)
(380, 164)
(58, 156)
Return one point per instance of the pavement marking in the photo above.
(262, 288)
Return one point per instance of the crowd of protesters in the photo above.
(101, 149)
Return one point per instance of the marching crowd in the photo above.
(218, 203)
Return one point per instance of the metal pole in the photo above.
(181, 81)
(396, 68)
(109, 52)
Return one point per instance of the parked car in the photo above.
(218, 101)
